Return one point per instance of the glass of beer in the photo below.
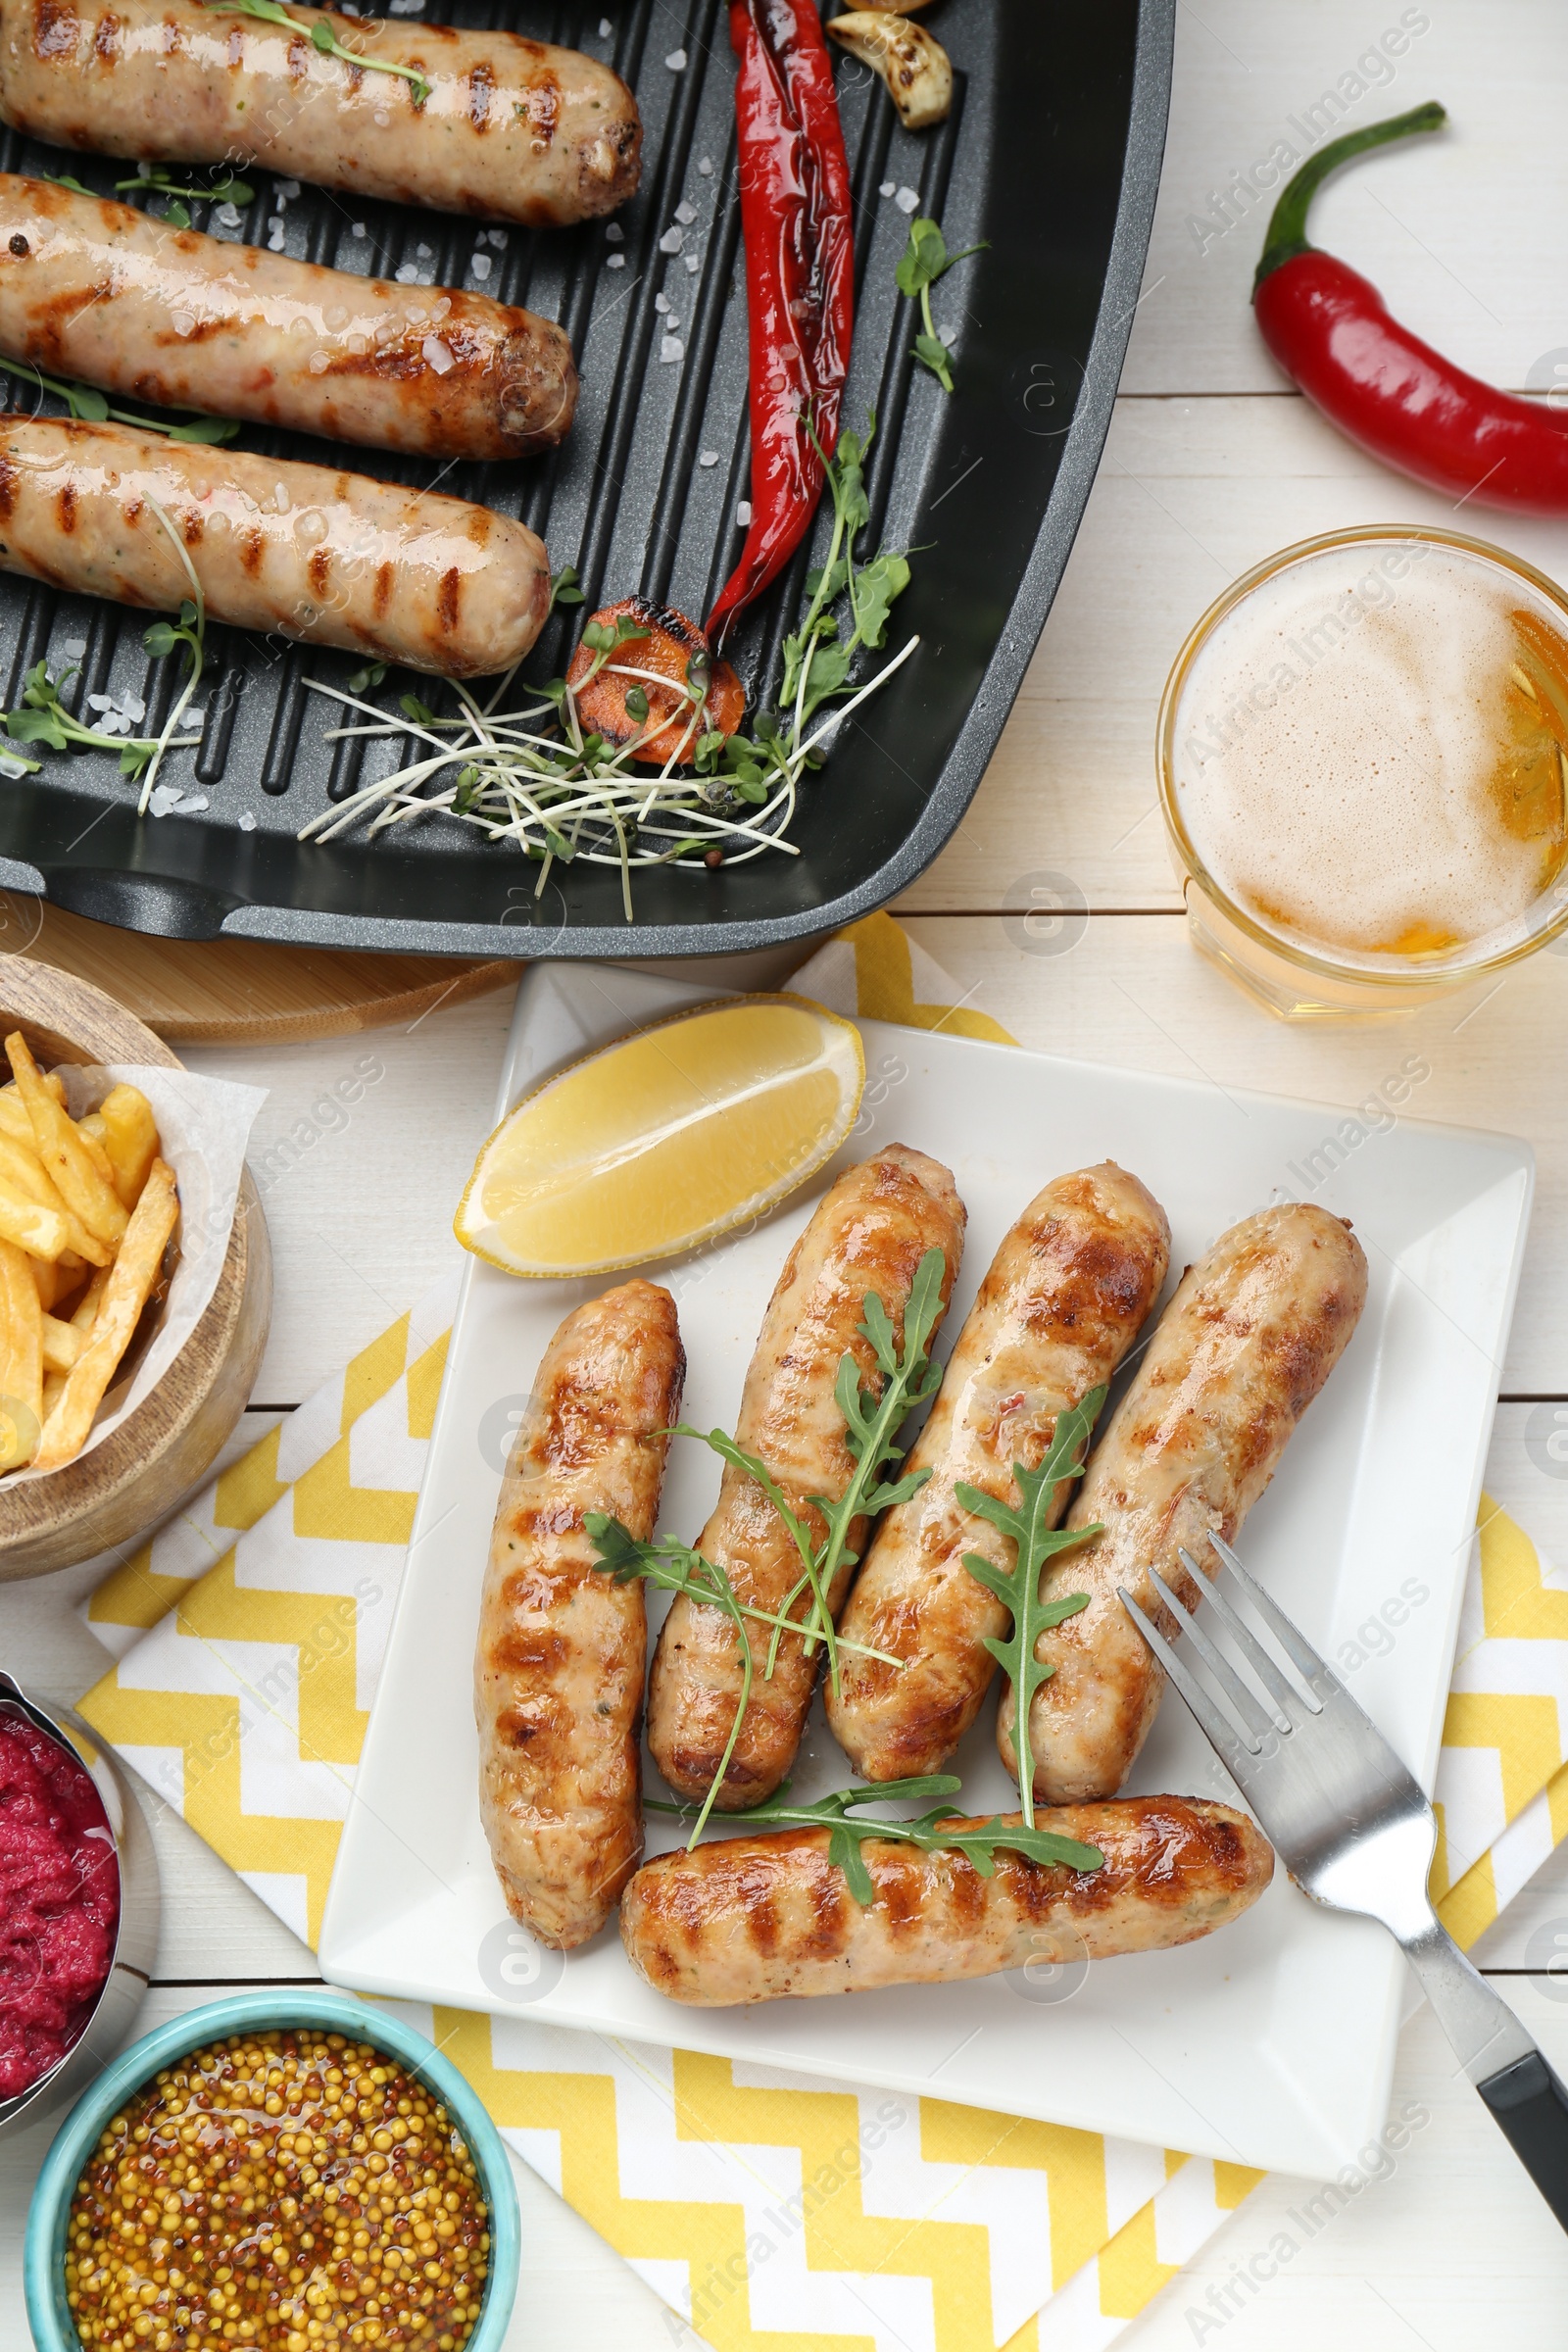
(1363, 767)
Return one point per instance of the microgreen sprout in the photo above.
(91, 407)
(532, 776)
(323, 38)
(926, 259)
(177, 212)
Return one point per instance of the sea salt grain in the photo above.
(496, 237)
(359, 230)
(615, 260)
(288, 189)
(886, 190)
(274, 238)
(907, 198)
(74, 648)
(671, 241)
(707, 458)
(605, 28)
(247, 823)
(425, 252)
(670, 349)
(481, 264)
(661, 303)
(405, 8)
(706, 167)
(694, 262)
(11, 765)
(742, 512)
(228, 216)
(676, 61)
(407, 274)
(165, 797)
(437, 354)
(685, 213)
(615, 234)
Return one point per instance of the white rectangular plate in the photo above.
(1270, 2043)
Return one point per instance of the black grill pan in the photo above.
(1052, 155)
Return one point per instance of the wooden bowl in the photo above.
(135, 1477)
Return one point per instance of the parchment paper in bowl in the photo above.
(203, 1125)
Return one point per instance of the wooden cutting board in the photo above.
(235, 991)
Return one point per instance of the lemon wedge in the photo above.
(664, 1139)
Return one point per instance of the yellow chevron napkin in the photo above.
(766, 2210)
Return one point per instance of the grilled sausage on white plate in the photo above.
(1062, 1303)
(767, 1918)
(1246, 1342)
(869, 1234)
(563, 1649)
(512, 129)
(103, 293)
(394, 574)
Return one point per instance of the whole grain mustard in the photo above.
(279, 2192)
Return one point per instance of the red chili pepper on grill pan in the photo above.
(1327, 327)
(800, 278)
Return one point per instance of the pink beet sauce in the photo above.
(59, 1902)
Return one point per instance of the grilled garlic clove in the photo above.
(915, 67)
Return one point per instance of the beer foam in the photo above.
(1333, 744)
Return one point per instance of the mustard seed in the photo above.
(234, 2202)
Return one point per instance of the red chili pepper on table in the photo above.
(1327, 327)
(800, 278)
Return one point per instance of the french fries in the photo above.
(130, 1139)
(125, 1294)
(23, 1176)
(66, 1160)
(21, 1359)
(88, 1207)
(61, 1343)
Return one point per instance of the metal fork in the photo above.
(1355, 1831)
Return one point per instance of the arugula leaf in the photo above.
(1029, 1528)
(872, 1426)
(62, 179)
(675, 1568)
(178, 214)
(932, 1832)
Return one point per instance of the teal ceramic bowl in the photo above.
(53, 2329)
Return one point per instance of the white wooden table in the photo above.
(1212, 462)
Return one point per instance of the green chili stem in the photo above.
(1287, 229)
